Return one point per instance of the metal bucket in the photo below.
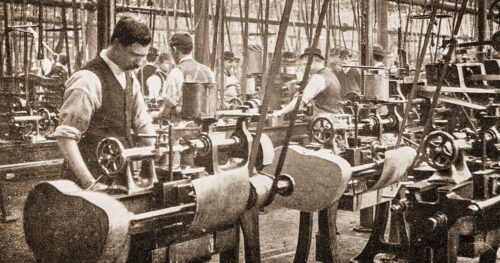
(199, 100)
(376, 87)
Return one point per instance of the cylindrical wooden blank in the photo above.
(220, 198)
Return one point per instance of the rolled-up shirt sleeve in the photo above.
(141, 115)
(81, 99)
(314, 87)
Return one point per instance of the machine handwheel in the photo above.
(110, 156)
(44, 123)
(253, 103)
(234, 103)
(322, 129)
(441, 151)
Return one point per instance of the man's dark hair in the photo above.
(378, 57)
(152, 54)
(181, 42)
(129, 30)
(164, 57)
(63, 59)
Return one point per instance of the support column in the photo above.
(91, 36)
(105, 18)
(382, 30)
(482, 27)
(201, 34)
(366, 42)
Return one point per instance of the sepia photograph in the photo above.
(273, 131)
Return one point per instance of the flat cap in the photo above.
(312, 51)
(378, 50)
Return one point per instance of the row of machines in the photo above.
(190, 196)
(193, 194)
(29, 106)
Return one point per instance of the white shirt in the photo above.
(83, 97)
(154, 84)
(315, 85)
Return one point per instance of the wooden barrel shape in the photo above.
(320, 178)
(63, 223)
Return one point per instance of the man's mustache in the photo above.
(131, 67)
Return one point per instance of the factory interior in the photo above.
(147, 131)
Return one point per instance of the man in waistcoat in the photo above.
(348, 77)
(186, 69)
(104, 99)
(322, 89)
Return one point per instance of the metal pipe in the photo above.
(6, 30)
(148, 221)
(364, 167)
(448, 6)
(87, 5)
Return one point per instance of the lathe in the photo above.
(17, 122)
(452, 206)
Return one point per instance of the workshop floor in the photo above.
(279, 230)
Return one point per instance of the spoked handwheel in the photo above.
(322, 129)
(234, 103)
(440, 150)
(110, 156)
(45, 122)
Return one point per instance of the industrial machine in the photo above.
(157, 216)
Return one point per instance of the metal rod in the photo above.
(8, 51)
(76, 37)
(215, 35)
(418, 68)
(88, 5)
(221, 52)
(170, 154)
(66, 40)
(273, 72)
(447, 59)
(448, 6)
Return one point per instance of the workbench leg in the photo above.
(326, 243)
(365, 220)
(250, 228)
(233, 255)
(376, 243)
(6, 216)
(305, 236)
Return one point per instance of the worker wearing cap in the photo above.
(231, 82)
(378, 57)
(322, 89)
(349, 77)
(104, 100)
(186, 69)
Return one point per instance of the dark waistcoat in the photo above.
(113, 118)
(328, 99)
